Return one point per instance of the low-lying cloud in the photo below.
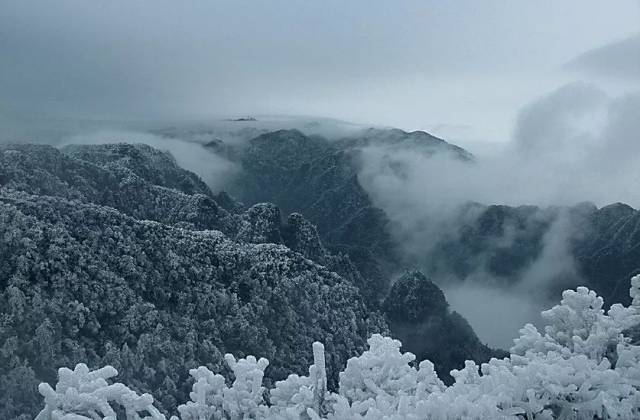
(575, 144)
(214, 169)
(620, 60)
(495, 314)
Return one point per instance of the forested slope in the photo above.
(114, 255)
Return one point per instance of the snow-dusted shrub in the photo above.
(581, 366)
(635, 291)
(211, 398)
(83, 394)
(302, 397)
(382, 380)
(578, 325)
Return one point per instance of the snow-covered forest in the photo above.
(120, 264)
(584, 364)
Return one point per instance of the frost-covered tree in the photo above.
(582, 366)
(211, 398)
(83, 394)
(86, 283)
(302, 396)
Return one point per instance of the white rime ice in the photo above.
(211, 398)
(83, 394)
(580, 366)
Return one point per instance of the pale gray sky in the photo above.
(461, 69)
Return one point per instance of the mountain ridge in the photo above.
(101, 265)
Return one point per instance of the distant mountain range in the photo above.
(319, 178)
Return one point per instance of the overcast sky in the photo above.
(461, 69)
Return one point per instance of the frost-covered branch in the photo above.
(83, 394)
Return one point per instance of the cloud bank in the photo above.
(619, 59)
(215, 170)
(577, 143)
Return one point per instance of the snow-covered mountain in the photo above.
(322, 179)
(113, 254)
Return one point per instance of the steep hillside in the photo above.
(601, 245)
(319, 179)
(137, 180)
(114, 255)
